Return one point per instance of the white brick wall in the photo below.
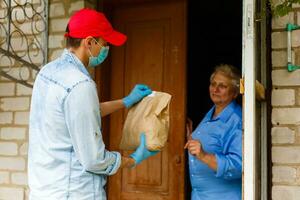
(14, 104)
(286, 116)
(280, 22)
(285, 192)
(286, 111)
(279, 58)
(284, 97)
(13, 133)
(6, 117)
(12, 163)
(283, 135)
(57, 10)
(284, 174)
(11, 193)
(284, 78)
(19, 178)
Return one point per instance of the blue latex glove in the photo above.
(142, 153)
(137, 94)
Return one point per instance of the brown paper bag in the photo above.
(151, 116)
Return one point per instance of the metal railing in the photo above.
(23, 39)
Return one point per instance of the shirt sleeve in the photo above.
(82, 114)
(230, 163)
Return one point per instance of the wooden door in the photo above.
(154, 54)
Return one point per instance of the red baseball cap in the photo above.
(87, 22)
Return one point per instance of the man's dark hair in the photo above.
(72, 42)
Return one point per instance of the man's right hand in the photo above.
(137, 94)
(142, 153)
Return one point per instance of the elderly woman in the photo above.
(215, 146)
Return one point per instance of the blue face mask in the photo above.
(95, 61)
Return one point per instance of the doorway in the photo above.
(214, 36)
(219, 41)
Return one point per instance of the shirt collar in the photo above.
(224, 115)
(73, 59)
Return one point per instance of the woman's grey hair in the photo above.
(230, 72)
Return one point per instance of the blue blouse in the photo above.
(221, 136)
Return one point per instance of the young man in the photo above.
(67, 159)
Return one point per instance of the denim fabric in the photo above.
(221, 136)
(67, 159)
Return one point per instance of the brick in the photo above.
(284, 97)
(2, 13)
(8, 149)
(17, 44)
(12, 163)
(279, 58)
(7, 89)
(19, 178)
(276, 2)
(284, 174)
(36, 57)
(287, 155)
(298, 96)
(56, 41)
(75, 6)
(296, 38)
(14, 104)
(27, 193)
(55, 54)
(282, 135)
(23, 90)
(11, 193)
(39, 26)
(6, 117)
(4, 177)
(296, 5)
(286, 115)
(279, 40)
(24, 149)
(280, 22)
(6, 62)
(19, 73)
(13, 133)
(21, 118)
(34, 74)
(285, 192)
(296, 55)
(58, 25)
(285, 78)
(56, 10)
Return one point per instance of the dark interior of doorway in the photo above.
(214, 36)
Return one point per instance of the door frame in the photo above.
(255, 66)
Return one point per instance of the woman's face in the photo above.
(221, 90)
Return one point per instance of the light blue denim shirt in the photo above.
(221, 136)
(67, 159)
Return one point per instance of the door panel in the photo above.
(154, 54)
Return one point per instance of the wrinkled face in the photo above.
(221, 90)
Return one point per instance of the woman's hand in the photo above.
(195, 148)
(189, 129)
